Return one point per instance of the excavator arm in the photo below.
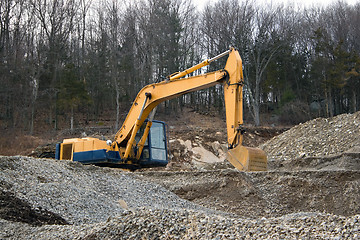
(231, 77)
(152, 95)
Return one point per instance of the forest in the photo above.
(66, 61)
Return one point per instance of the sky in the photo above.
(308, 3)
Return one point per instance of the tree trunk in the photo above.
(326, 103)
(353, 101)
(72, 119)
(256, 109)
(331, 103)
(33, 100)
(117, 106)
(32, 118)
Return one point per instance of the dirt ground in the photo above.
(192, 134)
(266, 194)
(314, 182)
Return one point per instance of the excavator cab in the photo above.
(154, 152)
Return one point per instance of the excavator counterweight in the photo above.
(141, 141)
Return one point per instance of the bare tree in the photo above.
(264, 46)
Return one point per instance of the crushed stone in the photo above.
(175, 224)
(305, 145)
(81, 194)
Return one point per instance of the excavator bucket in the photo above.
(247, 158)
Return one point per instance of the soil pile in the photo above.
(322, 143)
(197, 140)
(266, 194)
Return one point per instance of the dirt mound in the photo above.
(195, 140)
(267, 194)
(316, 143)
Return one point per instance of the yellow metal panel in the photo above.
(69, 146)
(88, 145)
(99, 144)
(71, 140)
(233, 97)
(78, 146)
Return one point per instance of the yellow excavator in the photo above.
(141, 141)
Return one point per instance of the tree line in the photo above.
(62, 57)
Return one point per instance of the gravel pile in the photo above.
(315, 139)
(171, 224)
(81, 194)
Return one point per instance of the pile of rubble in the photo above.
(322, 143)
(87, 202)
(197, 140)
(80, 194)
(172, 224)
